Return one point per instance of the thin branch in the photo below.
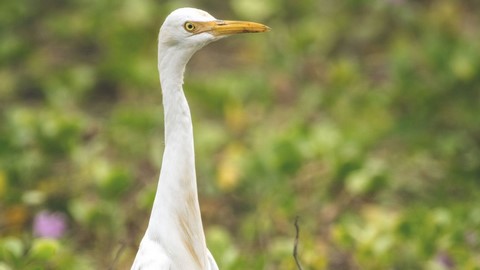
(295, 244)
(123, 245)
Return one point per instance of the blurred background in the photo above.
(360, 117)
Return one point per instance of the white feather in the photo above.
(174, 238)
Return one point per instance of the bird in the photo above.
(174, 238)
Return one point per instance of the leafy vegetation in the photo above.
(361, 117)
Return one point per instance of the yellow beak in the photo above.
(222, 28)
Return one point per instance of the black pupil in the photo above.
(189, 26)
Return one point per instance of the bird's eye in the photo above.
(189, 26)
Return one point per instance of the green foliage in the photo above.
(361, 117)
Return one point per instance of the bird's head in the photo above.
(190, 29)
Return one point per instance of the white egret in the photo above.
(174, 238)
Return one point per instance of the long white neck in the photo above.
(175, 222)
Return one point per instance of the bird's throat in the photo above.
(176, 211)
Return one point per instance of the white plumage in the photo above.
(174, 238)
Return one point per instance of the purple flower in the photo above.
(445, 260)
(49, 224)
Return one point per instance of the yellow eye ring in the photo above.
(190, 27)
